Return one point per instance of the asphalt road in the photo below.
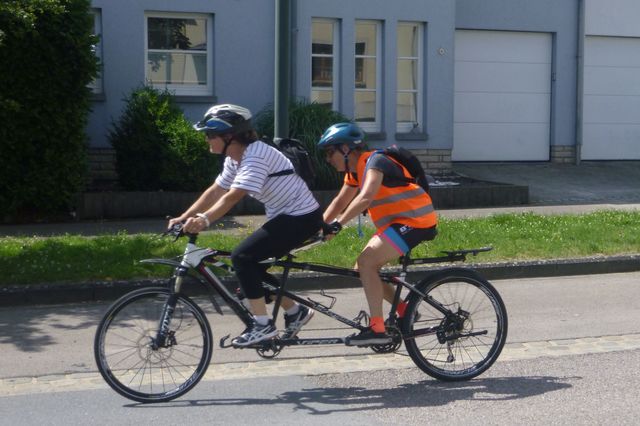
(571, 357)
(578, 390)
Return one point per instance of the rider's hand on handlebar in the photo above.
(330, 229)
(173, 221)
(194, 225)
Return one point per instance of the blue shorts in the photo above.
(403, 237)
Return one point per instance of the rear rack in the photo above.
(450, 256)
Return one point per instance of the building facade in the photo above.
(464, 80)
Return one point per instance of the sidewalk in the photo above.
(554, 189)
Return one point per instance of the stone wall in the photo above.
(435, 161)
(563, 154)
(102, 168)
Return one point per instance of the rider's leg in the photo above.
(375, 255)
(274, 239)
(404, 238)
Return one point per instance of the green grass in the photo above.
(513, 236)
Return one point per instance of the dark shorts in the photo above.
(403, 237)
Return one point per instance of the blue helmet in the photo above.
(225, 118)
(342, 133)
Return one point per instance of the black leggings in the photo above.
(275, 238)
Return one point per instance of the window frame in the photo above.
(335, 62)
(97, 85)
(370, 126)
(407, 127)
(182, 89)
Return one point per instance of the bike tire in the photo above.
(461, 358)
(129, 364)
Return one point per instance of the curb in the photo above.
(47, 294)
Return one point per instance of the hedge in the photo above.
(46, 64)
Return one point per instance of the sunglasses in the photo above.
(330, 151)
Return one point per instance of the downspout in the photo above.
(580, 81)
(282, 69)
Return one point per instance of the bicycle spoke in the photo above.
(467, 340)
(127, 360)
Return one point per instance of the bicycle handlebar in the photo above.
(177, 231)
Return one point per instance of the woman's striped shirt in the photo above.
(286, 194)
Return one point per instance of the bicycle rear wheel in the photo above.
(125, 353)
(467, 341)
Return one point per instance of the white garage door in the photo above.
(502, 96)
(611, 121)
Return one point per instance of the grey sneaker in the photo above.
(293, 323)
(368, 337)
(256, 333)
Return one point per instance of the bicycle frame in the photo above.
(155, 344)
(200, 260)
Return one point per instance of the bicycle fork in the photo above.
(164, 337)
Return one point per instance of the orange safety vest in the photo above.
(408, 205)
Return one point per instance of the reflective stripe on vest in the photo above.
(397, 197)
(413, 214)
(408, 204)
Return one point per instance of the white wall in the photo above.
(612, 17)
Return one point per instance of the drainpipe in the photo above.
(282, 69)
(580, 80)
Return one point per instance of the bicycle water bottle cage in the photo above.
(322, 293)
(361, 318)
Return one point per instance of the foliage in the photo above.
(156, 147)
(307, 122)
(513, 236)
(46, 64)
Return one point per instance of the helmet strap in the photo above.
(346, 163)
(227, 141)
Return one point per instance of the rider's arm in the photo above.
(340, 202)
(215, 212)
(372, 182)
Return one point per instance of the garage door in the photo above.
(611, 121)
(502, 96)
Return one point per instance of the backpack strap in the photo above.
(284, 172)
(402, 166)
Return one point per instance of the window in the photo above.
(178, 53)
(367, 75)
(409, 72)
(96, 85)
(324, 62)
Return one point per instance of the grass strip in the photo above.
(524, 236)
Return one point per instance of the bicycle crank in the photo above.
(395, 344)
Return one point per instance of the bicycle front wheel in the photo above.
(134, 365)
(464, 342)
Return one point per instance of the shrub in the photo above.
(307, 122)
(46, 63)
(156, 147)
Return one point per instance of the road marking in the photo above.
(327, 365)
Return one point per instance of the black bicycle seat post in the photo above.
(406, 261)
(285, 275)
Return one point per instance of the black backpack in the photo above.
(295, 151)
(411, 163)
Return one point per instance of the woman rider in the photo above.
(293, 213)
(401, 211)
